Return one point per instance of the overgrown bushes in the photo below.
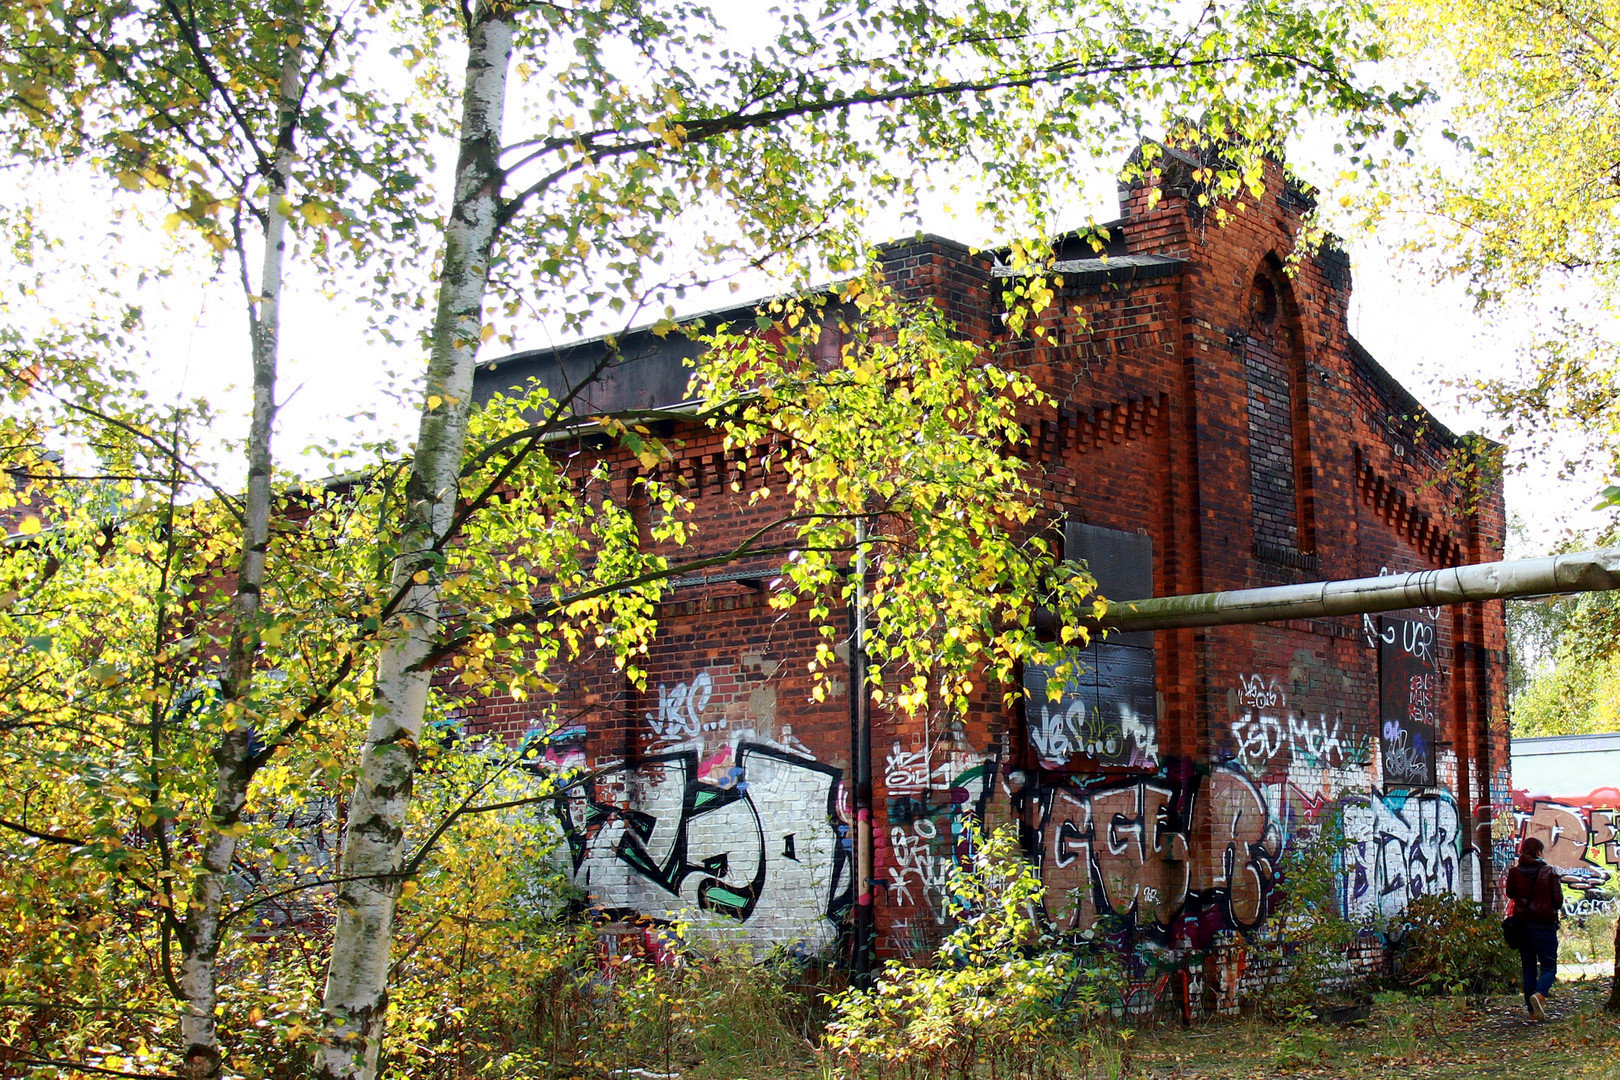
(1000, 997)
(1587, 938)
(1301, 951)
(678, 1010)
(1446, 945)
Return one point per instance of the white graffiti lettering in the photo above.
(1258, 692)
(1398, 848)
(920, 862)
(1262, 738)
(1406, 760)
(764, 847)
(908, 771)
(1417, 638)
(1061, 730)
(680, 711)
(1420, 696)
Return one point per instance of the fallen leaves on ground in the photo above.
(1405, 1037)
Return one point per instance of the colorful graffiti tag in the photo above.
(930, 800)
(1582, 840)
(1399, 846)
(756, 833)
(750, 832)
(1208, 846)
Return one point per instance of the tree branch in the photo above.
(704, 129)
(189, 36)
(49, 838)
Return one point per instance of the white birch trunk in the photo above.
(356, 998)
(199, 936)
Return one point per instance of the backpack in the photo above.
(1545, 902)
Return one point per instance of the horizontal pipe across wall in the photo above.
(1585, 571)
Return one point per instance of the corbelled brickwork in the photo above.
(1214, 418)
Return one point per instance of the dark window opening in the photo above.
(1106, 716)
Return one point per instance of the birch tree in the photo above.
(651, 133)
(227, 112)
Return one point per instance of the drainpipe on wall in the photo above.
(861, 757)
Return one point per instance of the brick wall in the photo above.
(1205, 399)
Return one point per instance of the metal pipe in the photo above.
(1585, 571)
(865, 920)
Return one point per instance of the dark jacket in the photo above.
(1536, 891)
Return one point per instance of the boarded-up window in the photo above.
(1409, 698)
(1107, 714)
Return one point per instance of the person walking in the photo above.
(1537, 894)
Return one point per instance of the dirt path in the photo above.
(1405, 1038)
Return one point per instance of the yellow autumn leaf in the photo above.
(30, 525)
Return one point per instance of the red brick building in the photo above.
(1217, 428)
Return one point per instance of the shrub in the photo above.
(1305, 941)
(1587, 937)
(1447, 945)
(997, 996)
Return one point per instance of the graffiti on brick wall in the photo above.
(1409, 696)
(679, 715)
(1268, 732)
(1503, 826)
(1060, 730)
(718, 706)
(1106, 711)
(754, 834)
(1127, 849)
(1206, 848)
(931, 798)
(554, 748)
(1272, 736)
(1398, 847)
(1581, 839)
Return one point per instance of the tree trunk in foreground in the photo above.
(356, 995)
(200, 931)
